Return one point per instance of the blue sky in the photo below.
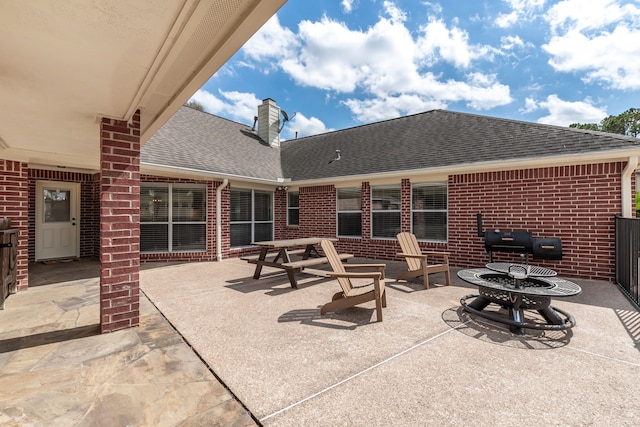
(338, 64)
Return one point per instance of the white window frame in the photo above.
(338, 212)
(253, 220)
(375, 211)
(446, 211)
(292, 208)
(169, 186)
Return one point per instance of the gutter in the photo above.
(219, 219)
(147, 168)
(627, 173)
(483, 166)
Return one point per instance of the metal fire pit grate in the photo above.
(528, 302)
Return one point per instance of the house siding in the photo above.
(574, 203)
(14, 197)
(119, 223)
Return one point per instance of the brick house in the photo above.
(82, 88)
(94, 132)
(229, 184)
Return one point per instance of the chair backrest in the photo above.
(409, 245)
(336, 264)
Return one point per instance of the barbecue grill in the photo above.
(521, 242)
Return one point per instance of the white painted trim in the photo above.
(219, 219)
(625, 184)
(76, 189)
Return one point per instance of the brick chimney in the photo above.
(269, 122)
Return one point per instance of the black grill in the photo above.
(521, 242)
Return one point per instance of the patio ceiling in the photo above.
(66, 64)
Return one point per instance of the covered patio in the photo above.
(427, 363)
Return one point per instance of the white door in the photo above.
(57, 220)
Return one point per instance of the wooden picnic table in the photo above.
(282, 250)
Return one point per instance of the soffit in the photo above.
(65, 65)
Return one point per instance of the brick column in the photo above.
(14, 204)
(405, 221)
(119, 224)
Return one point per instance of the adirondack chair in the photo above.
(354, 295)
(417, 264)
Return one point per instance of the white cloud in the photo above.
(271, 42)
(506, 20)
(304, 126)
(600, 38)
(520, 10)
(376, 109)
(238, 106)
(563, 113)
(530, 105)
(383, 64)
(449, 44)
(243, 107)
(580, 15)
(511, 42)
(347, 5)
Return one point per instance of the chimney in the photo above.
(269, 122)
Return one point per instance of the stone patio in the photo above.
(258, 352)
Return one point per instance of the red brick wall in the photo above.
(119, 224)
(575, 203)
(14, 204)
(89, 215)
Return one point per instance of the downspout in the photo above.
(219, 218)
(627, 173)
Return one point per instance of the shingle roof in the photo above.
(193, 139)
(438, 138)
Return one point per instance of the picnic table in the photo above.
(277, 254)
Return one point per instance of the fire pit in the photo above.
(519, 287)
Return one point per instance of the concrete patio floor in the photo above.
(427, 363)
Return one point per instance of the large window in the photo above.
(173, 217)
(385, 211)
(349, 212)
(429, 211)
(251, 216)
(293, 208)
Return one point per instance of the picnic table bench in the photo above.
(282, 250)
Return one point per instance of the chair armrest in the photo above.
(364, 266)
(352, 275)
(379, 267)
(437, 253)
(412, 255)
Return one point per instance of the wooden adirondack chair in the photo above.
(354, 295)
(417, 264)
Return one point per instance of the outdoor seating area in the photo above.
(283, 363)
(418, 263)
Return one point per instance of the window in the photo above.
(349, 212)
(251, 216)
(293, 208)
(429, 211)
(173, 217)
(385, 211)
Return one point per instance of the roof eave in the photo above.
(475, 167)
(182, 172)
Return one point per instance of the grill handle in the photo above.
(479, 224)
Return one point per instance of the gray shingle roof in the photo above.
(196, 140)
(437, 138)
